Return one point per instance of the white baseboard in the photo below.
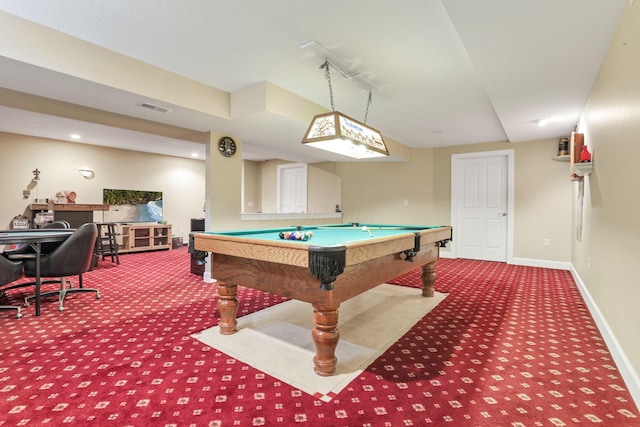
(529, 262)
(446, 254)
(625, 367)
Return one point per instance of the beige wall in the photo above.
(251, 187)
(542, 196)
(324, 186)
(269, 184)
(180, 180)
(389, 192)
(223, 187)
(611, 229)
(324, 190)
(419, 192)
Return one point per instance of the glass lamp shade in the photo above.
(343, 135)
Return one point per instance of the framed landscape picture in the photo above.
(127, 206)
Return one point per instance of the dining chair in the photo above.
(71, 258)
(10, 271)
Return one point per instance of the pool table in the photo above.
(336, 263)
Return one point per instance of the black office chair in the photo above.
(15, 254)
(71, 258)
(10, 271)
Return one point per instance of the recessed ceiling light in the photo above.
(75, 136)
(195, 155)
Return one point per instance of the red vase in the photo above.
(585, 155)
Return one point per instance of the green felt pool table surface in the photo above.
(330, 234)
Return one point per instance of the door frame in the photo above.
(280, 184)
(456, 182)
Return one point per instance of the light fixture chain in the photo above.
(366, 112)
(327, 75)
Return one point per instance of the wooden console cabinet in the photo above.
(144, 237)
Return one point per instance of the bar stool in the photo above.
(107, 245)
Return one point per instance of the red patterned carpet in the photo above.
(509, 346)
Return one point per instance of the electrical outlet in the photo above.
(546, 243)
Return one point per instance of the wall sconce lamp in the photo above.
(87, 173)
(343, 135)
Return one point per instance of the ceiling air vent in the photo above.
(153, 107)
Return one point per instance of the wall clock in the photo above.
(227, 146)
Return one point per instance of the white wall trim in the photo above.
(542, 263)
(525, 262)
(625, 367)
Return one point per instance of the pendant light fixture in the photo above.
(341, 134)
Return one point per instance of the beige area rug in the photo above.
(277, 340)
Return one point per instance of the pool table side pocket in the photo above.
(365, 250)
(361, 277)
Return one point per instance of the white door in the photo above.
(292, 188)
(481, 204)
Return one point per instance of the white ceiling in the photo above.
(443, 72)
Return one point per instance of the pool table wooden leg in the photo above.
(325, 336)
(227, 307)
(428, 279)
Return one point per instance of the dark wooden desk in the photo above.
(35, 238)
(75, 214)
